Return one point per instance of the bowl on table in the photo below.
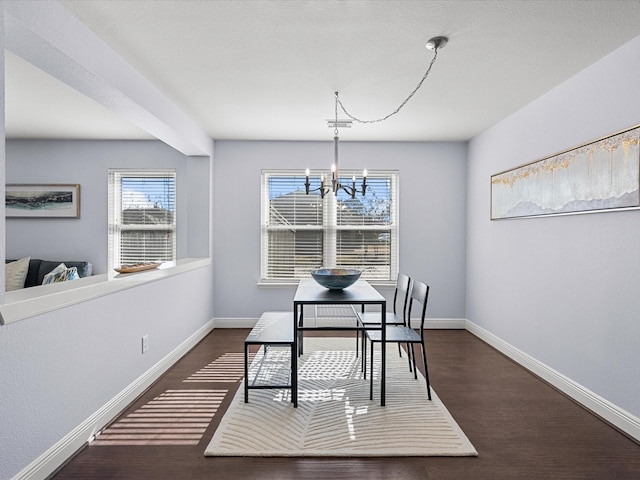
(336, 278)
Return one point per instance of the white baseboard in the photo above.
(235, 322)
(54, 457)
(439, 323)
(621, 419)
(443, 323)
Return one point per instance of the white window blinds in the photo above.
(303, 232)
(367, 229)
(142, 216)
(292, 227)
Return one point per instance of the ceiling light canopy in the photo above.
(437, 42)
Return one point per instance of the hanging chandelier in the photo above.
(335, 186)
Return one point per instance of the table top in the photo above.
(310, 292)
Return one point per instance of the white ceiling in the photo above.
(269, 69)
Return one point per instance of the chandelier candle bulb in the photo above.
(306, 183)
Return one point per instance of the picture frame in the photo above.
(42, 200)
(602, 175)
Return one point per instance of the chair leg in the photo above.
(426, 371)
(246, 373)
(399, 350)
(364, 354)
(415, 370)
(410, 355)
(371, 374)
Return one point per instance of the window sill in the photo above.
(283, 284)
(29, 302)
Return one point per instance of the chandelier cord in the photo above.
(356, 119)
(335, 129)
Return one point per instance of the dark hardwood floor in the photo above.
(521, 427)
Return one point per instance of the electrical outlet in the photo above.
(145, 343)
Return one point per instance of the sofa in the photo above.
(39, 268)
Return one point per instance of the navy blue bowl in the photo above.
(335, 278)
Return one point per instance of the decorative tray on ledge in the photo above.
(138, 267)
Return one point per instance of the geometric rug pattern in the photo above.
(335, 417)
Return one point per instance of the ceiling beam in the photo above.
(45, 34)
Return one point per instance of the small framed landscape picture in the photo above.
(43, 201)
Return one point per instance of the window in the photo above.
(142, 216)
(303, 232)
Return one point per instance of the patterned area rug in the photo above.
(335, 417)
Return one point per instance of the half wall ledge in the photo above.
(29, 302)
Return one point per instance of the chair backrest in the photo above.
(403, 283)
(419, 293)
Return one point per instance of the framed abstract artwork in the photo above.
(597, 176)
(40, 200)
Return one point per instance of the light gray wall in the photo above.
(564, 289)
(87, 163)
(2, 148)
(59, 368)
(432, 217)
(198, 205)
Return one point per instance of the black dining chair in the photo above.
(400, 296)
(405, 334)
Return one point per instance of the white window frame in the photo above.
(116, 225)
(330, 227)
